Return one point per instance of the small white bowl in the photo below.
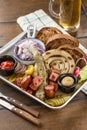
(39, 43)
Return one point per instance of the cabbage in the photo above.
(83, 74)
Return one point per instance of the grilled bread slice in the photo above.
(46, 32)
(57, 40)
(75, 52)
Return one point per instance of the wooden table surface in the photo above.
(71, 117)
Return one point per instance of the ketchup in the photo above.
(6, 65)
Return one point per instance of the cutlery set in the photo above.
(20, 109)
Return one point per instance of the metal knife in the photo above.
(20, 112)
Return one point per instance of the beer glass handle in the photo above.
(52, 12)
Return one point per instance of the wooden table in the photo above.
(71, 117)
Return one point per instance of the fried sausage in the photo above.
(49, 91)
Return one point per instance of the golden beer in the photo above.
(68, 15)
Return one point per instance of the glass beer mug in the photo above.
(68, 15)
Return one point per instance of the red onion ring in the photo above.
(22, 68)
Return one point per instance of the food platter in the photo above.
(8, 49)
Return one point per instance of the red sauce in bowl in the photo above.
(6, 65)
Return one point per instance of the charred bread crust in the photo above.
(75, 52)
(61, 39)
(46, 32)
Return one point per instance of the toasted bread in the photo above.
(61, 39)
(45, 33)
(75, 52)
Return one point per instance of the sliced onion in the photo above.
(24, 46)
(20, 69)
